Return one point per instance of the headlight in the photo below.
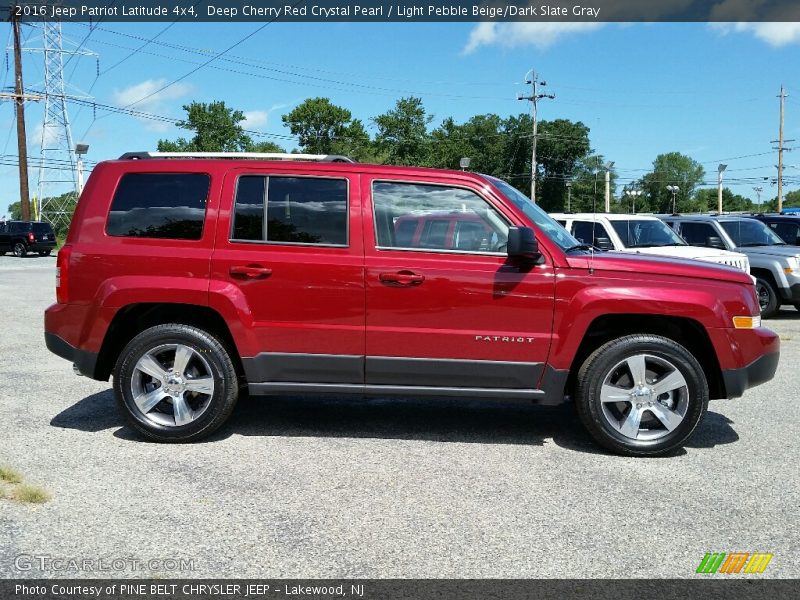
(747, 322)
(794, 265)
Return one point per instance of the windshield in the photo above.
(749, 232)
(644, 233)
(542, 220)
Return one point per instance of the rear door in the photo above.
(289, 255)
(447, 319)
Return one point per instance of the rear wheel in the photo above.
(767, 298)
(175, 383)
(641, 395)
(20, 249)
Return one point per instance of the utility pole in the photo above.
(780, 141)
(534, 100)
(608, 166)
(758, 190)
(720, 170)
(19, 103)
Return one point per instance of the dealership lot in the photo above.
(304, 487)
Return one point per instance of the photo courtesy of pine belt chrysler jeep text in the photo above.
(192, 278)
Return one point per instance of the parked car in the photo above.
(775, 265)
(191, 277)
(21, 237)
(642, 234)
(786, 226)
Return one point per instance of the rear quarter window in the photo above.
(159, 205)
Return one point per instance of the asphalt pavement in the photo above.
(326, 488)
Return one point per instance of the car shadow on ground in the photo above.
(418, 419)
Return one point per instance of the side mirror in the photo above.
(522, 243)
(713, 241)
(603, 243)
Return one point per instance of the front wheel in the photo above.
(175, 383)
(20, 249)
(767, 298)
(641, 395)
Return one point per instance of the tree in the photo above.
(561, 146)
(264, 146)
(318, 124)
(706, 200)
(790, 200)
(672, 168)
(403, 132)
(217, 129)
(588, 185)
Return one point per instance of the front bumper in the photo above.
(82, 361)
(757, 372)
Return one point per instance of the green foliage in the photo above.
(403, 132)
(706, 200)
(672, 168)
(790, 200)
(318, 123)
(217, 128)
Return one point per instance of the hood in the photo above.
(695, 252)
(771, 250)
(654, 265)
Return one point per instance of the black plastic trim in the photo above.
(281, 387)
(757, 372)
(455, 373)
(304, 368)
(85, 362)
(554, 386)
(794, 292)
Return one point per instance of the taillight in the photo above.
(31, 237)
(62, 275)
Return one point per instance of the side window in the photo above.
(447, 218)
(589, 232)
(789, 232)
(697, 234)
(295, 210)
(159, 205)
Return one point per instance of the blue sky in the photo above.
(708, 91)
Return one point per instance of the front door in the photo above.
(446, 310)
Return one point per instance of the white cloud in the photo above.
(147, 96)
(255, 118)
(511, 35)
(774, 34)
(51, 138)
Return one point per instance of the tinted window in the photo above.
(588, 232)
(448, 218)
(159, 205)
(697, 234)
(789, 232)
(42, 228)
(248, 221)
(749, 232)
(298, 210)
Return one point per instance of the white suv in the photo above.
(642, 234)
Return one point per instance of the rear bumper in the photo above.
(757, 372)
(82, 361)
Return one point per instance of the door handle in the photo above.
(401, 278)
(251, 271)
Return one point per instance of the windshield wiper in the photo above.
(582, 247)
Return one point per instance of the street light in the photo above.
(758, 189)
(569, 194)
(633, 194)
(720, 170)
(80, 152)
(608, 166)
(674, 189)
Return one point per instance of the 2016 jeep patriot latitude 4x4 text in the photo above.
(191, 278)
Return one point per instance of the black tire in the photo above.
(20, 249)
(215, 358)
(604, 362)
(767, 298)
(797, 306)
(44, 252)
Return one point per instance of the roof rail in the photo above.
(239, 155)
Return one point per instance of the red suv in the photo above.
(191, 278)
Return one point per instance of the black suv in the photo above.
(21, 237)
(786, 226)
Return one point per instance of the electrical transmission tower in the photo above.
(57, 172)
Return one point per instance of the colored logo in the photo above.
(734, 562)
